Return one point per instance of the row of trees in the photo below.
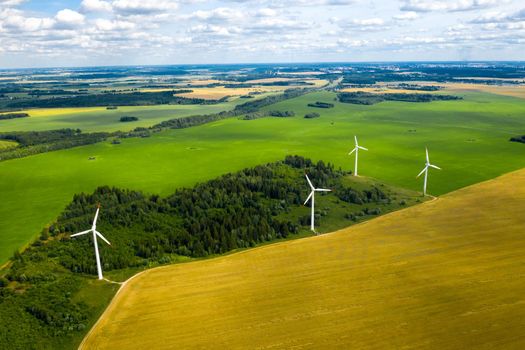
(13, 116)
(366, 98)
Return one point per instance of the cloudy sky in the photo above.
(36, 33)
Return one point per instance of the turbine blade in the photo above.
(352, 151)
(426, 150)
(310, 196)
(80, 233)
(96, 217)
(422, 171)
(355, 138)
(309, 182)
(102, 237)
(434, 166)
(323, 190)
(363, 148)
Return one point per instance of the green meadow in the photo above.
(93, 119)
(469, 139)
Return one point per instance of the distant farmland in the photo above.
(469, 139)
(446, 274)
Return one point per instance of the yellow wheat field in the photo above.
(446, 274)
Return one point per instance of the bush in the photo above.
(128, 119)
(312, 115)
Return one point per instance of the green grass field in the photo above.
(92, 119)
(468, 139)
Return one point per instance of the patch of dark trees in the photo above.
(321, 105)
(110, 99)
(518, 139)
(263, 114)
(366, 98)
(13, 116)
(312, 115)
(127, 118)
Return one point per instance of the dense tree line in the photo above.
(110, 99)
(366, 98)
(13, 116)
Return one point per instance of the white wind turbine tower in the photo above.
(95, 234)
(356, 150)
(312, 195)
(425, 170)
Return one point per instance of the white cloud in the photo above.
(217, 15)
(407, 16)
(113, 25)
(144, 7)
(447, 5)
(11, 2)
(69, 18)
(95, 6)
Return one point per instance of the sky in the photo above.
(52, 33)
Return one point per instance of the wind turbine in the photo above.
(95, 234)
(425, 170)
(356, 150)
(312, 195)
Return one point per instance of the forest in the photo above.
(42, 288)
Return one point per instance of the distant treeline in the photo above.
(55, 92)
(13, 116)
(34, 142)
(417, 87)
(518, 139)
(110, 99)
(366, 98)
(321, 105)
